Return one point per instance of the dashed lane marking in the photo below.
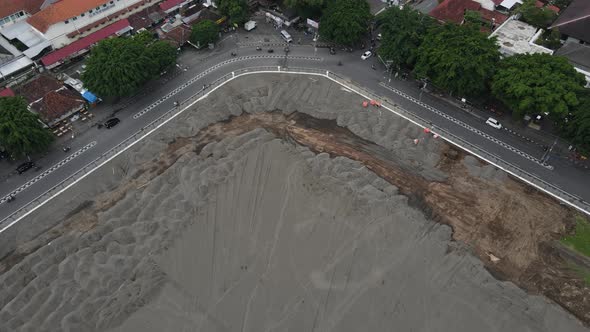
(48, 171)
(209, 70)
(464, 125)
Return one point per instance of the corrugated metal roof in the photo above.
(84, 43)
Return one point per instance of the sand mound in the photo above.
(254, 234)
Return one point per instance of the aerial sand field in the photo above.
(277, 219)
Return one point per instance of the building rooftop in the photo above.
(57, 104)
(84, 43)
(574, 21)
(7, 92)
(454, 11)
(179, 35)
(61, 11)
(9, 7)
(577, 54)
(514, 37)
(38, 88)
(146, 17)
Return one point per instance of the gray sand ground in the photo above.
(264, 236)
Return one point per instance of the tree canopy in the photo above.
(533, 15)
(533, 83)
(402, 33)
(307, 8)
(345, 21)
(459, 59)
(204, 32)
(578, 126)
(117, 67)
(237, 10)
(21, 133)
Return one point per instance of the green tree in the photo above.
(237, 10)
(116, 67)
(345, 21)
(577, 127)
(21, 133)
(402, 33)
(457, 58)
(162, 55)
(472, 17)
(204, 32)
(533, 15)
(307, 8)
(532, 83)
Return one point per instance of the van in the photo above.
(286, 36)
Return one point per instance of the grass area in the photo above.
(585, 274)
(580, 240)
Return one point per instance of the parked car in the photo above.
(494, 123)
(270, 50)
(110, 123)
(332, 50)
(25, 167)
(366, 55)
(379, 37)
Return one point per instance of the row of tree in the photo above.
(465, 62)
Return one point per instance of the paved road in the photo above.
(360, 72)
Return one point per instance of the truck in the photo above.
(250, 25)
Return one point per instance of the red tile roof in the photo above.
(84, 43)
(169, 4)
(38, 88)
(61, 11)
(56, 104)
(454, 11)
(6, 92)
(179, 35)
(9, 7)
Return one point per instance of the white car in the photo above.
(366, 55)
(494, 123)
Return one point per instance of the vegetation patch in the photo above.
(580, 240)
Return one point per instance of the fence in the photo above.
(553, 190)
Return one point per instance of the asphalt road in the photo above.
(564, 176)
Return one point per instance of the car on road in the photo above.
(366, 55)
(110, 123)
(332, 50)
(25, 167)
(494, 123)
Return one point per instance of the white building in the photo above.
(68, 20)
(516, 37)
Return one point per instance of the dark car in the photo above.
(270, 50)
(25, 167)
(110, 123)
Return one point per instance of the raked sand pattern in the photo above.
(256, 234)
